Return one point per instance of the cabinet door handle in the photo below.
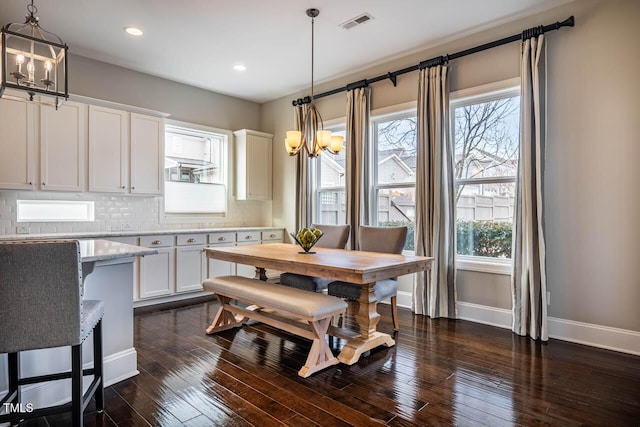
(133, 188)
(43, 184)
(156, 242)
(221, 239)
(191, 240)
(30, 183)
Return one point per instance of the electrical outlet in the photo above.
(22, 229)
(127, 227)
(548, 298)
(116, 227)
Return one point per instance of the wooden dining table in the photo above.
(359, 267)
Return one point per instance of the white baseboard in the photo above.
(117, 367)
(616, 339)
(170, 298)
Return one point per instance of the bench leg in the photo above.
(320, 355)
(224, 318)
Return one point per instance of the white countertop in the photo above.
(102, 250)
(107, 234)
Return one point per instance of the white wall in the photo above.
(592, 207)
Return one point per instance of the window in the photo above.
(394, 172)
(195, 171)
(55, 211)
(330, 184)
(486, 128)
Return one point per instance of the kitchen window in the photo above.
(485, 124)
(195, 171)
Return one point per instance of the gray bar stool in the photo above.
(42, 307)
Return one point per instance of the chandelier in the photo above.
(34, 61)
(312, 137)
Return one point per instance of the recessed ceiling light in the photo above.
(239, 67)
(133, 31)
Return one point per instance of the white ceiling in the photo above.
(199, 41)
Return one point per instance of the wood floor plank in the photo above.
(441, 372)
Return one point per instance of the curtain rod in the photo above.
(441, 60)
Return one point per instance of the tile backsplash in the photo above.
(125, 213)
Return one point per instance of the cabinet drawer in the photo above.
(273, 235)
(157, 241)
(248, 236)
(223, 237)
(191, 239)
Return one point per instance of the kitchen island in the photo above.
(107, 270)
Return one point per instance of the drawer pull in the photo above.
(191, 240)
(248, 238)
(272, 235)
(221, 239)
(156, 242)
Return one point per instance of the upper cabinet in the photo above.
(63, 142)
(17, 145)
(126, 152)
(147, 154)
(253, 165)
(108, 143)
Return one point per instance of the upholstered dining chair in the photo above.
(42, 307)
(376, 239)
(334, 237)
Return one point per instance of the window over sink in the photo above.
(195, 171)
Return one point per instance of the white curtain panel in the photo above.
(434, 292)
(303, 201)
(528, 278)
(357, 161)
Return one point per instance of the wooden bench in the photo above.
(281, 307)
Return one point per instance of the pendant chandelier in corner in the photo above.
(34, 62)
(312, 138)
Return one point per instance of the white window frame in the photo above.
(179, 218)
(383, 115)
(461, 98)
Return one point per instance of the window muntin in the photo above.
(329, 185)
(394, 172)
(485, 130)
(195, 171)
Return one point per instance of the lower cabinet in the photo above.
(191, 267)
(181, 264)
(157, 276)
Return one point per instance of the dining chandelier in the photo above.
(312, 137)
(33, 61)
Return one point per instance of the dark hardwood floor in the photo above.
(441, 372)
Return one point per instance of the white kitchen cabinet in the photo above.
(17, 145)
(147, 154)
(191, 267)
(108, 144)
(63, 142)
(216, 267)
(157, 272)
(253, 165)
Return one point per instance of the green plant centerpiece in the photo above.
(306, 238)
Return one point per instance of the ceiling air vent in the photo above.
(358, 20)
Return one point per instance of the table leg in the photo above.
(367, 319)
(261, 274)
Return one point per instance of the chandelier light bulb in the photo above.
(337, 142)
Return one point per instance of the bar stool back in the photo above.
(42, 307)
